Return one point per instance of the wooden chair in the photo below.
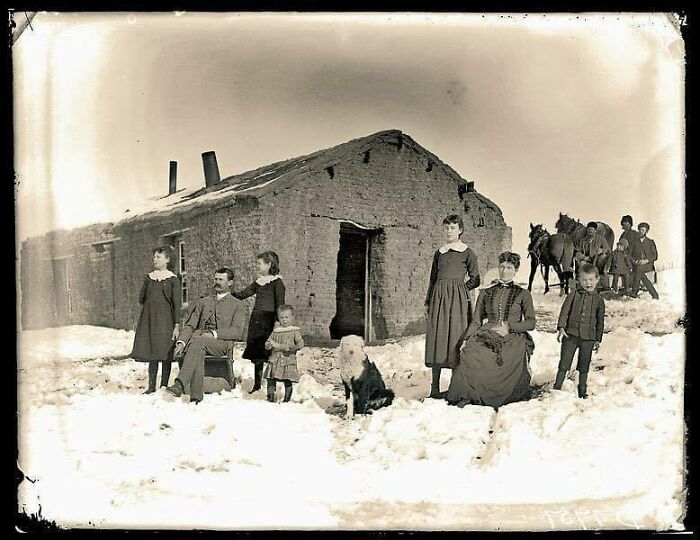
(221, 366)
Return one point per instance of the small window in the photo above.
(182, 270)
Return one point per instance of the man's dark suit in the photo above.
(225, 318)
(648, 252)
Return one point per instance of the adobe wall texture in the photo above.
(88, 277)
(393, 193)
(227, 235)
(394, 190)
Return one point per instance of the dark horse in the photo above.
(545, 250)
(577, 231)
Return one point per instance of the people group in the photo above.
(213, 325)
(489, 347)
(486, 343)
(628, 264)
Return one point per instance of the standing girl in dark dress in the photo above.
(454, 273)
(159, 322)
(269, 296)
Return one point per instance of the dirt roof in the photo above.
(276, 176)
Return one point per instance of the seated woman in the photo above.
(494, 356)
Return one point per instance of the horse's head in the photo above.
(537, 233)
(564, 223)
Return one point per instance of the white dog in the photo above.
(364, 387)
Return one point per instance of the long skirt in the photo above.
(494, 370)
(261, 325)
(153, 339)
(450, 314)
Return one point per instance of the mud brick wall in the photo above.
(308, 251)
(399, 192)
(227, 235)
(394, 193)
(88, 277)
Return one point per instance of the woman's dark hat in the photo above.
(592, 224)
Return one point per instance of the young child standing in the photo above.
(620, 265)
(581, 323)
(158, 326)
(284, 342)
(455, 271)
(268, 290)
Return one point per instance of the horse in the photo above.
(577, 231)
(555, 250)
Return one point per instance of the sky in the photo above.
(581, 114)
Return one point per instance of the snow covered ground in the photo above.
(97, 452)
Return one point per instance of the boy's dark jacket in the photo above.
(621, 263)
(586, 309)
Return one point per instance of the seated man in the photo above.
(594, 249)
(212, 325)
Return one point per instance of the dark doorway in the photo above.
(61, 291)
(351, 316)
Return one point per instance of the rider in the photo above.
(594, 249)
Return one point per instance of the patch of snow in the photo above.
(614, 460)
(183, 199)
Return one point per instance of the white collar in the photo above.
(499, 281)
(220, 295)
(285, 328)
(457, 245)
(160, 275)
(264, 280)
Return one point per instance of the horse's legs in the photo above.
(546, 278)
(533, 270)
(560, 276)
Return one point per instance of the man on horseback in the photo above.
(594, 249)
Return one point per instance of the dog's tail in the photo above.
(380, 398)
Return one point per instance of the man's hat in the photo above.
(643, 224)
(592, 224)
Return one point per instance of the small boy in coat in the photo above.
(580, 325)
(620, 266)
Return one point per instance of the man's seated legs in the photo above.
(191, 375)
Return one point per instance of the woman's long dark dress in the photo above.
(494, 369)
(160, 312)
(268, 298)
(449, 309)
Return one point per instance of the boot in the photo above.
(287, 391)
(435, 384)
(271, 387)
(152, 374)
(177, 389)
(258, 378)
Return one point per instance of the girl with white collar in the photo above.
(455, 271)
(268, 290)
(158, 326)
